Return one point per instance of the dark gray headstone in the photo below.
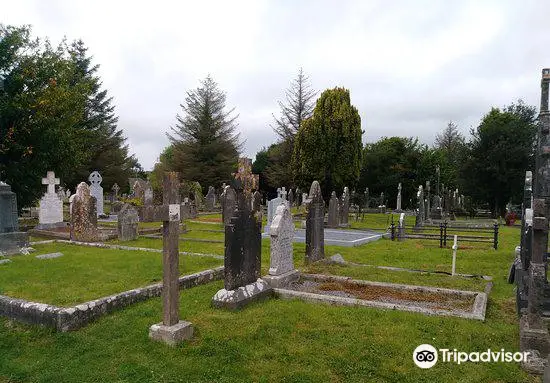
(128, 223)
(333, 211)
(84, 215)
(291, 198)
(210, 198)
(11, 240)
(315, 234)
(229, 201)
(344, 208)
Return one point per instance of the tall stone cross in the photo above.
(171, 330)
(283, 193)
(51, 181)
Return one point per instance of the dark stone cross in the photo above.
(171, 330)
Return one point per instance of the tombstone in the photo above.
(127, 228)
(138, 190)
(315, 232)
(243, 244)
(420, 207)
(281, 266)
(68, 193)
(344, 208)
(278, 192)
(298, 197)
(229, 202)
(257, 201)
(210, 199)
(50, 213)
(272, 206)
(71, 199)
(283, 193)
(333, 211)
(96, 190)
(148, 195)
(12, 241)
(171, 330)
(115, 190)
(61, 193)
(290, 198)
(304, 198)
(427, 206)
(398, 208)
(366, 194)
(401, 227)
(84, 215)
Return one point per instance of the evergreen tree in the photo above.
(205, 143)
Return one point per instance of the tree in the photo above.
(273, 166)
(328, 145)
(501, 150)
(452, 144)
(205, 145)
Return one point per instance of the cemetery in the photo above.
(323, 259)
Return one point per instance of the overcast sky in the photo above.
(411, 66)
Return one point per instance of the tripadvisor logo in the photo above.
(426, 356)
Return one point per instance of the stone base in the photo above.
(533, 338)
(535, 364)
(240, 297)
(171, 335)
(12, 243)
(49, 226)
(278, 281)
(344, 225)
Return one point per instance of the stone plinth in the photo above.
(241, 296)
(171, 335)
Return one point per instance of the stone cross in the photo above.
(115, 189)
(96, 190)
(51, 181)
(171, 330)
(283, 193)
(315, 232)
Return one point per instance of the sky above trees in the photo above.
(410, 66)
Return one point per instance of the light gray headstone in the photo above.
(271, 208)
(51, 206)
(96, 190)
(282, 234)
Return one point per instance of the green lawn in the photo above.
(271, 341)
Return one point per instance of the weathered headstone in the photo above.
(127, 227)
(344, 208)
(51, 206)
(291, 198)
(283, 193)
(115, 190)
(171, 330)
(401, 227)
(96, 190)
(11, 239)
(243, 243)
(315, 232)
(304, 198)
(229, 203)
(398, 208)
(271, 208)
(420, 207)
(84, 215)
(210, 198)
(428, 207)
(281, 269)
(148, 195)
(333, 211)
(138, 190)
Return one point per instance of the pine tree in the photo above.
(205, 143)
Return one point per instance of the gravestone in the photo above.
(84, 215)
(298, 197)
(138, 190)
(420, 207)
(127, 227)
(271, 208)
(333, 211)
(344, 208)
(243, 244)
(115, 190)
(257, 201)
(304, 198)
(148, 195)
(171, 330)
(281, 266)
(290, 198)
(366, 195)
(315, 238)
(398, 208)
(283, 193)
(210, 199)
(401, 227)
(427, 207)
(96, 190)
(12, 241)
(50, 213)
(229, 203)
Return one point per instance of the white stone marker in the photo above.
(281, 270)
(50, 213)
(455, 247)
(96, 190)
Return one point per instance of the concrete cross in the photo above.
(283, 193)
(51, 181)
(95, 178)
(115, 188)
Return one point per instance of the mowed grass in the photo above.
(280, 340)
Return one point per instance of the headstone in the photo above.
(12, 241)
(49, 256)
(281, 266)
(427, 207)
(333, 211)
(344, 208)
(366, 194)
(420, 207)
(96, 190)
(127, 228)
(148, 195)
(115, 190)
(398, 197)
(401, 227)
(229, 203)
(272, 206)
(138, 190)
(283, 193)
(84, 215)
(455, 247)
(243, 243)
(298, 197)
(315, 232)
(210, 198)
(257, 201)
(291, 198)
(51, 206)
(304, 198)
(171, 330)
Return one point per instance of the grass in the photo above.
(275, 340)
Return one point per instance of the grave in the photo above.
(344, 208)
(96, 190)
(210, 199)
(229, 202)
(333, 211)
(315, 208)
(49, 256)
(127, 227)
(338, 237)
(84, 216)
(12, 241)
(281, 270)
(271, 207)
(148, 195)
(398, 204)
(51, 205)
(115, 190)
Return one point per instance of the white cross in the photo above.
(51, 181)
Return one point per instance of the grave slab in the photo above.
(49, 256)
(347, 238)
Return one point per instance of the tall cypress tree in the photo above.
(205, 143)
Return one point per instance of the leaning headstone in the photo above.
(96, 190)
(210, 198)
(333, 211)
(127, 227)
(315, 234)
(84, 215)
(271, 207)
(11, 239)
(51, 206)
(281, 269)
(344, 208)
(243, 244)
(229, 202)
